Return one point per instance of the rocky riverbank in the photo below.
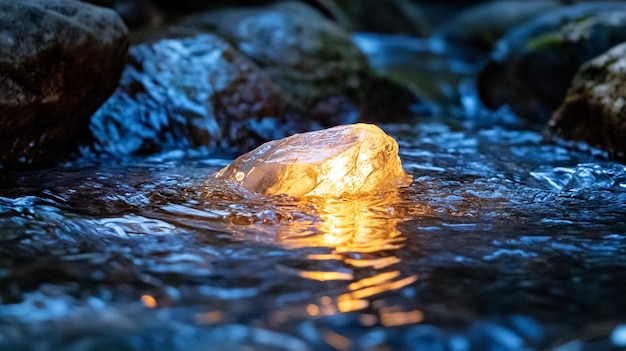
(223, 77)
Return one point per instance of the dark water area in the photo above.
(502, 242)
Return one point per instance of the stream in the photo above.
(502, 242)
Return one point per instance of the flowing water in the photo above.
(502, 242)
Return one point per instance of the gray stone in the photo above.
(60, 60)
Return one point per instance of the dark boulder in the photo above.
(594, 109)
(60, 60)
(533, 65)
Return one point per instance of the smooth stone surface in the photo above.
(350, 159)
(60, 60)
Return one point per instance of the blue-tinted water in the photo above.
(502, 242)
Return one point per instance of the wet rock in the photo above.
(480, 26)
(594, 109)
(60, 60)
(309, 56)
(191, 91)
(358, 158)
(533, 65)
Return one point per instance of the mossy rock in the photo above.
(309, 56)
(594, 109)
(532, 66)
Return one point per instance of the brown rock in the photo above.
(594, 109)
(60, 60)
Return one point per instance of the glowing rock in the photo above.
(349, 159)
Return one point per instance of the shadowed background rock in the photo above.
(350, 159)
(594, 109)
(60, 60)
(532, 66)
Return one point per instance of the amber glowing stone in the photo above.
(350, 159)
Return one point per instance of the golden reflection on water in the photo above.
(362, 233)
(149, 301)
(351, 224)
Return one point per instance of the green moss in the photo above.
(578, 28)
(544, 41)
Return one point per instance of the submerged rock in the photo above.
(348, 159)
(190, 92)
(594, 109)
(533, 65)
(60, 60)
(309, 56)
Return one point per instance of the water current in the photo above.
(502, 242)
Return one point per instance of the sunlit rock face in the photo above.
(350, 159)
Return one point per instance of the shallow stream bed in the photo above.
(502, 242)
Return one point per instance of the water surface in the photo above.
(502, 242)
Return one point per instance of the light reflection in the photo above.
(375, 280)
(362, 233)
(377, 263)
(391, 318)
(354, 238)
(337, 341)
(380, 288)
(313, 310)
(323, 276)
(149, 301)
(352, 224)
(209, 317)
(345, 303)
